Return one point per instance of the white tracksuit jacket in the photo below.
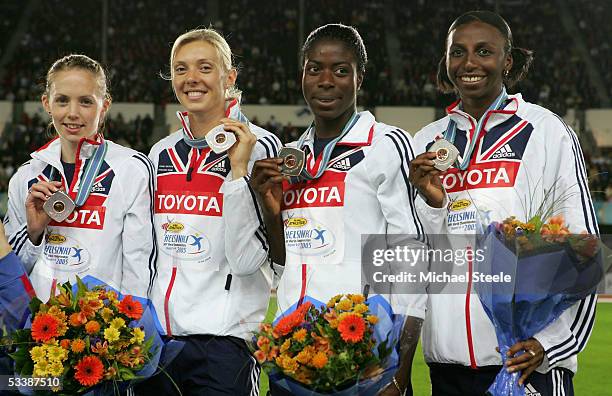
(526, 150)
(110, 237)
(364, 190)
(213, 276)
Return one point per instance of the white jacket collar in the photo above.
(466, 122)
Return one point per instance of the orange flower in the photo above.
(130, 308)
(92, 327)
(77, 346)
(321, 343)
(319, 360)
(86, 310)
(356, 298)
(65, 343)
(95, 304)
(77, 319)
(44, 327)
(305, 355)
(351, 328)
(101, 348)
(373, 319)
(332, 318)
(300, 335)
(287, 323)
(262, 341)
(273, 353)
(260, 356)
(89, 371)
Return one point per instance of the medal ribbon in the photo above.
(188, 136)
(234, 112)
(90, 173)
(451, 129)
(327, 151)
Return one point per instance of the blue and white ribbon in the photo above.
(451, 129)
(329, 148)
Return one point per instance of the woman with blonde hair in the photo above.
(214, 277)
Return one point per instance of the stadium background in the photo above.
(572, 76)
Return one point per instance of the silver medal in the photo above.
(293, 161)
(59, 206)
(446, 154)
(220, 140)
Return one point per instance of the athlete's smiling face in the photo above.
(76, 104)
(198, 77)
(330, 79)
(476, 58)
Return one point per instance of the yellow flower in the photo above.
(111, 334)
(117, 323)
(91, 295)
(300, 335)
(57, 353)
(344, 305)
(360, 308)
(138, 337)
(372, 319)
(332, 301)
(107, 314)
(38, 354)
(289, 365)
(56, 369)
(41, 369)
(357, 298)
(112, 297)
(60, 315)
(286, 345)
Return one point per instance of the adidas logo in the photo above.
(98, 188)
(343, 164)
(531, 391)
(219, 167)
(504, 152)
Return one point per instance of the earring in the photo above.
(506, 73)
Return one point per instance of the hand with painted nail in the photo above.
(37, 219)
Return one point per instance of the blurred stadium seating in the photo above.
(571, 38)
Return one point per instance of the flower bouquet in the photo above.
(550, 270)
(93, 339)
(344, 347)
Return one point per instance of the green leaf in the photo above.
(35, 305)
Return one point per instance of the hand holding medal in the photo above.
(446, 154)
(293, 161)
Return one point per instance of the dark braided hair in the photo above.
(348, 35)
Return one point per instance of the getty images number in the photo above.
(47, 382)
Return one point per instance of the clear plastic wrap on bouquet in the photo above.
(543, 283)
(386, 330)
